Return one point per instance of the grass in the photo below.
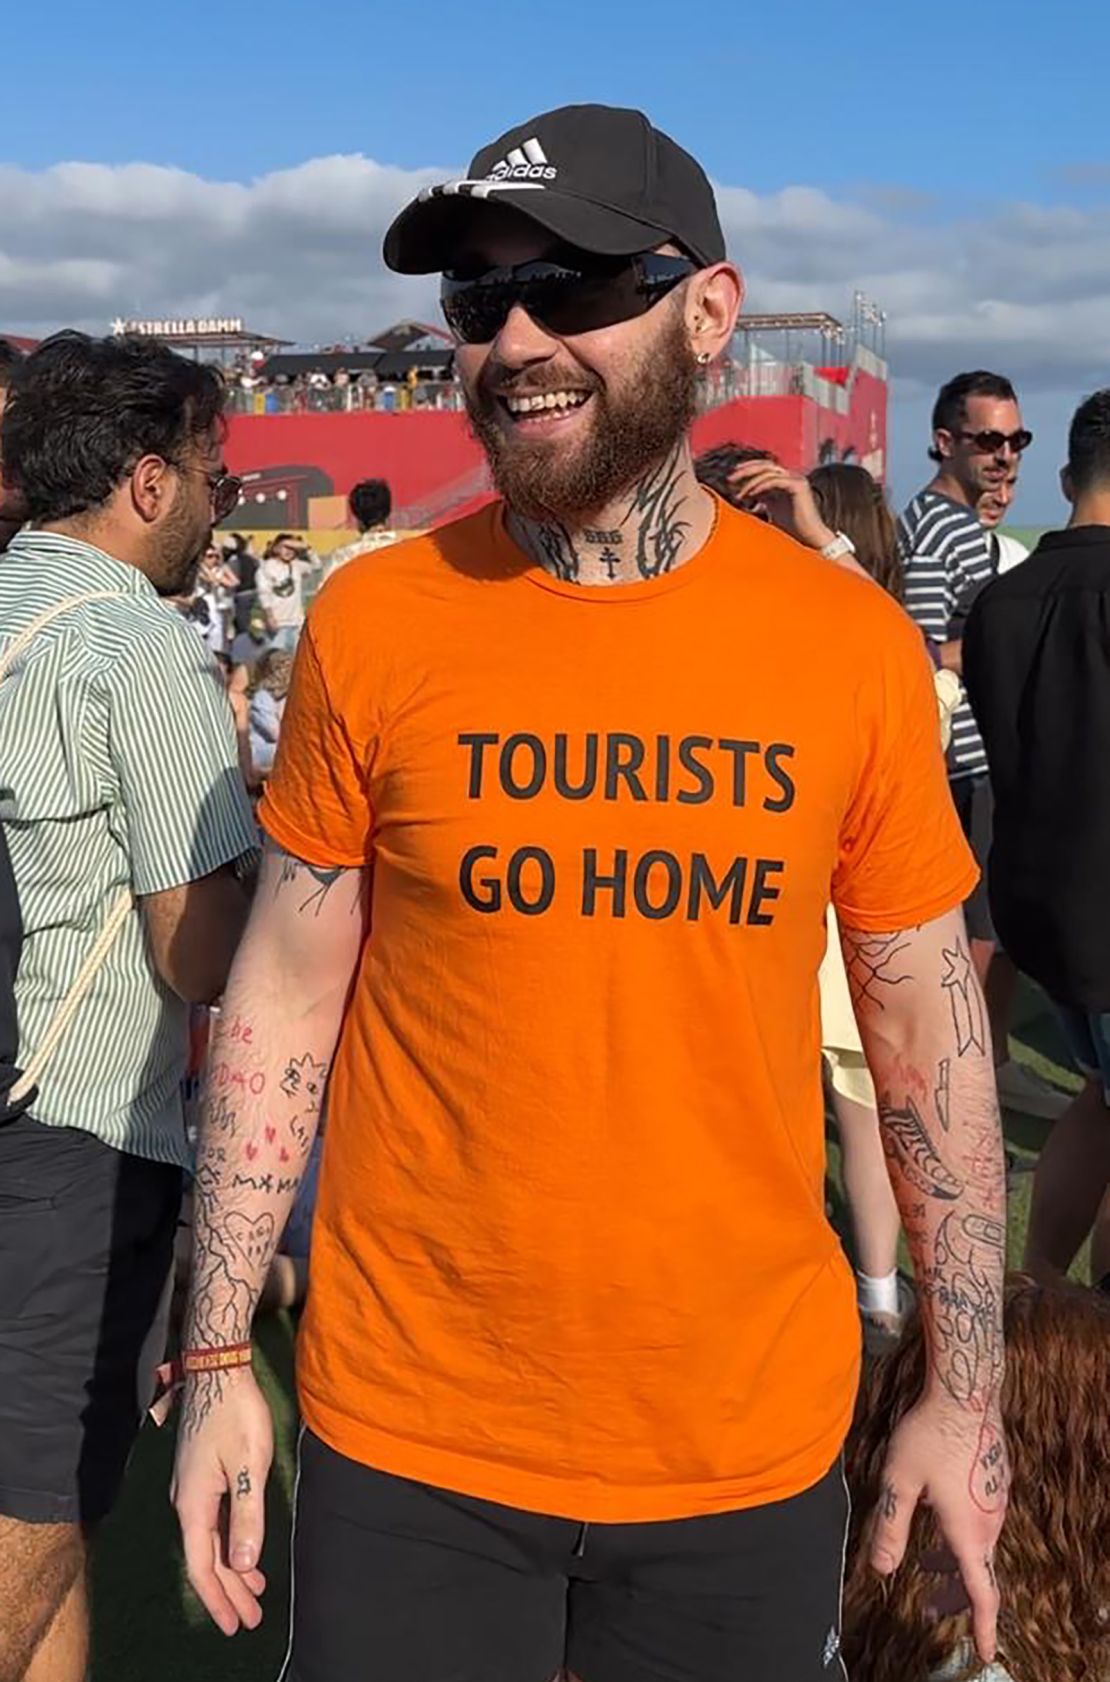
(147, 1625)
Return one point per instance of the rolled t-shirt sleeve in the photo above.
(172, 747)
(903, 858)
(317, 803)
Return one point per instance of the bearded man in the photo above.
(562, 795)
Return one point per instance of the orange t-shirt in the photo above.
(571, 1251)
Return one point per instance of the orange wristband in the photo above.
(215, 1360)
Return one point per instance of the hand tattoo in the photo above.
(243, 1483)
(888, 1502)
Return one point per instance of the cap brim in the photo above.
(427, 237)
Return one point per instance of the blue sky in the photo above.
(959, 157)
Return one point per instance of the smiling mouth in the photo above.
(543, 405)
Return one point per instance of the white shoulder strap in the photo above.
(30, 632)
(121, 905)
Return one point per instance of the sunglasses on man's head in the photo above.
(991, 442)
(562, 298)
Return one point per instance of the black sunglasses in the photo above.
(564, 300)
(991, 442)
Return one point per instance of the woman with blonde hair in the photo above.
(269, 688)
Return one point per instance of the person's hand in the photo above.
(955, 1461)
(784, 497)
(224, 1449)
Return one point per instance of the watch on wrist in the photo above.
(839, 546)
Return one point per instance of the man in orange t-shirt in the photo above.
(563, 794)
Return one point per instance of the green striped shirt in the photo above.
(118, 768)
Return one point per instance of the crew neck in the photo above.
(647, 589)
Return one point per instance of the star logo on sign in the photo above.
(119, 327)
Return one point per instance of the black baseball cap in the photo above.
(597, 176)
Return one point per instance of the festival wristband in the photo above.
(215, 1360)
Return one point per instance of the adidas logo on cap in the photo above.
(524, 163)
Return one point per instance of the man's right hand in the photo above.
(224, 1449)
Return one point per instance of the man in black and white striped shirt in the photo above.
(978, 440)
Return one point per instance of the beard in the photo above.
(632, 427)
(181, 546)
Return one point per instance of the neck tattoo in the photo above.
(650, 535)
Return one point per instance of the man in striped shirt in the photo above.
(124, 811)
(978, 440)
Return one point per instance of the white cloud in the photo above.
(1024, 287)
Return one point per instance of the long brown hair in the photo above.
(851, 501)
(1053, 1559)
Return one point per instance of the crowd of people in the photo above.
(568, 858)
(253, 391)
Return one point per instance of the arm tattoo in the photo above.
(942, 1092)
(295, 870)
(874, 962)
(252, 1150)
(961, 985)
(906, 1141)
(961, 1280)
(656, 509)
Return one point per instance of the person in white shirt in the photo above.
(282, 576)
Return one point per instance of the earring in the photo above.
(704, 358)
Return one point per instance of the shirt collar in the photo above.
(82, 564)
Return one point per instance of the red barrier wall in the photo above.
(292, 459)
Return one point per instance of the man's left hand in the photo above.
(955, 1460)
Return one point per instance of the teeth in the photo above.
(542, 400)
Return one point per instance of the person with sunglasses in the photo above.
(129, 829)
(562, 793)
(947, 557)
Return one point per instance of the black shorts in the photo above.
(975, 807)
(399, 1582)
(86, 1250)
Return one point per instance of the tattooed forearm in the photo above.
(920, 1013)
(250, 1158)
(875, 963)
(961, 1280)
